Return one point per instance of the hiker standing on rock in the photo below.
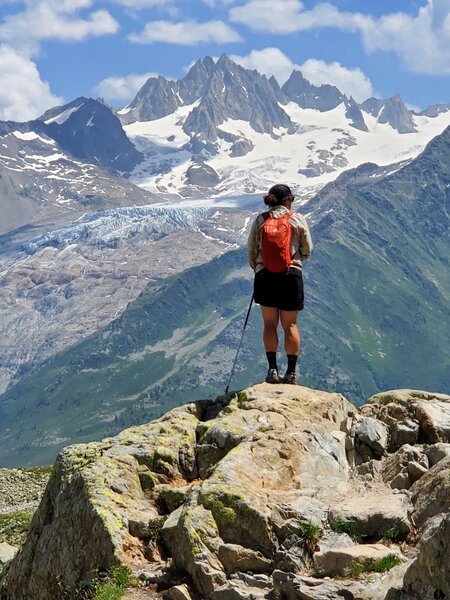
(278, 242)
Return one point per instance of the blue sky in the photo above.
(52, 51)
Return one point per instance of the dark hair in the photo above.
(277, 194)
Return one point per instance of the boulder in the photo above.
(7, 552)
(437, 452)
(403, 429)
(372, 514)
(431, 493)
(94, 492)
(370, 438)
(338, 561)
(431, 411)
(177, 592)
(297, 587)
(245, 586)
(405, 466)
(237, 558)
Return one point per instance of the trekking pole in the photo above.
(240, 343)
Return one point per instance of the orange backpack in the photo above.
(276, 242)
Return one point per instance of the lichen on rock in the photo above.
(246, 495)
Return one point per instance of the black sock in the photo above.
(292, 362)
(272, 360)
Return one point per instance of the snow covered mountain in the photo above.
(224, 129)
(220, 130)
(63, 164)
(91, 132)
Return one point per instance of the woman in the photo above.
(279, 240)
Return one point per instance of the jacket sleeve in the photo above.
(253, 243)
(306, 244)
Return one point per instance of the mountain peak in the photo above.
(224, 59)
(324, 97)
(89, 130)
(392, 111)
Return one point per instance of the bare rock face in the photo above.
(202, 175)
(247, 496)
(431, 412)
(428, 576)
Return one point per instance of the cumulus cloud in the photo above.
(421, 41)
(269, 61)
(258, 15)
(353, 82)
(54, 20)
(187, 33)
(122, 89)
(23, 94)
(289, 16)
(138, 4)
(214, 3)
(272, 61)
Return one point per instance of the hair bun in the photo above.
(271, 200)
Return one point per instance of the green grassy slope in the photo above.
(377, 317)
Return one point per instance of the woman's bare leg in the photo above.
(270, 336)
(288, 320)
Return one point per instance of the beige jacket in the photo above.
(301, 247)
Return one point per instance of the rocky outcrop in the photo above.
(201, 175)
(323, 98)
(392, 111)
(306, 95)
(273, 491)
(233, 92)
(90, 131)
(157, 98)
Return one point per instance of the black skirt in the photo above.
(279, 290)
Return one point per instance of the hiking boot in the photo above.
(272, 376)
(290, 378)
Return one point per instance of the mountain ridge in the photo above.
(223, 129)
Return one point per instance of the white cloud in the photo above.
(142, 3)
(23, 94)
(421, 41)
(269, 61)
(214, 3)
(352, 82)
(54, 20)
(272, 61)
(289, 16)
(275, 16)
(187, 33)
(122, 88)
